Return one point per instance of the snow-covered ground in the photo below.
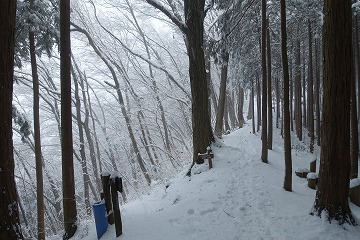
(240, 198)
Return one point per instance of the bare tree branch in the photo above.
(182, 26)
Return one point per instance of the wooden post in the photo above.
(105, 179)
(313, 166)
(210, 156)
(116, 209)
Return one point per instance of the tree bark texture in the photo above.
(222, 97)
(333, 189)
(310, 91)
(201, 124)
(354, 151)
(258, 101)
(298, 109)
(286, 112)
(317, 91)
(69, 202)
(240, 112)
(37, 140)
(9, 220)
(277, 92)
(354, 141)
(264, 146)
(269, 89)
(304, 91)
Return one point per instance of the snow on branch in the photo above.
(171, 16)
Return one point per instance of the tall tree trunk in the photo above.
(202, 132)
(354, 132)
(85, 174)
(10, 222)
(298, 111)
(69, 202)
(230, 100)
(304, 90)
(226, 115)
(251, 102)
(317, 90)
(287, 138)
(264, 146)
(270, 115)
(38, 154)
(354, 141)
(240, 114)
(277, 91)
(291, 93)
(357, 48)
(222, 97)
(310, 91)
(258, 101)
(333, 189)
(253, 106)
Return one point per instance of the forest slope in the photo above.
(240, 198)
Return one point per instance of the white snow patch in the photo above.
(354, 182)
(239, 198)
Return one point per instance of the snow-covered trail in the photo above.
(240, 198)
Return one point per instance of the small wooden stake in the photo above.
(116, 208)
(105, 179)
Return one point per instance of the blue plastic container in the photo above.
(100, 218)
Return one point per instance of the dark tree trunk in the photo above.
(251, 102)
(9, 220)
(69, 202)
(357, 59)
(354, 132)
(222, 97)
(291, 93)
(202, 132)
(37, 140)
(354, 141)
(333, 189)
(270, 115)
(310, 92)
(240, 114)
(304, 91)
(230, 100)
(298, 111)
(209, 83)
(317, 90)
(258, 101)
(287, 139)
(226, 114)
(264, 146)
(252, 106)
(277, 91)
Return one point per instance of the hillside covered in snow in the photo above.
(240, 198)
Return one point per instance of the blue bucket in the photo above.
(100, 218)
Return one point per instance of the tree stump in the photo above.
(302, 172)
(354, 191)
(312, 180)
